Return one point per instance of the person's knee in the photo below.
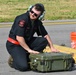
(22, 67)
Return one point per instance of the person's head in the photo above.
(36, 11)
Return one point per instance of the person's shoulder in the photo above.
(23, 16)
(39, 22)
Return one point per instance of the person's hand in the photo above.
(54, 49)
(33, 52)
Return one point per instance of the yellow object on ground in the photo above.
(63, 49)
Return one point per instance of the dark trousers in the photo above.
(21, 56)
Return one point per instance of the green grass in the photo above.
(55, 9)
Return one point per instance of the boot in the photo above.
(10, 61)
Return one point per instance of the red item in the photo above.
(13, 41)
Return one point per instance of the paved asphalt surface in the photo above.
(59, 33)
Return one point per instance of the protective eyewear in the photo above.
(34, 13)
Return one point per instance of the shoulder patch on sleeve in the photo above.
(21, 23)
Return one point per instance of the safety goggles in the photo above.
(34, 13)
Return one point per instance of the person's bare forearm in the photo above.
(24, 45)
(50, 43)
(22, 42)
(49, 40)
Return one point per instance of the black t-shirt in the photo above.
(23, 27)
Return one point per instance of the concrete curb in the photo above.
(45, 22)
(58, 22)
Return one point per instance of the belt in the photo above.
(13, 41)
